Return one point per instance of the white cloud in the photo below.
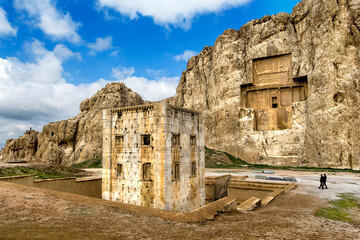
(115, 53)
(121, 73)
(185, 56)
(35, 93)
(174, 12)
(149, 89)
(156, 73)
(49, 19)
(35, 48)
(101, 44)
(5, 27)
(62, 52)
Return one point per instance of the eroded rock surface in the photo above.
(322, 37)
(73, 140)
(318, 128)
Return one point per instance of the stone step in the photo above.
(209, 211)
(289, 179)
(249, 204)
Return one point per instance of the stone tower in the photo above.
(153, 156)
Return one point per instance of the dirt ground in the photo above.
(33, 213)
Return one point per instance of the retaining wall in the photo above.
(243, 190)
(90, 187)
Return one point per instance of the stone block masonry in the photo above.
(153, 156)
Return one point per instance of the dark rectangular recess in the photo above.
(175, 140)
(119, 170)
(147, 171)
(119, 140)
(193, 169)
(176, 171)
(274, 102)
(145, 139)
(192, 140)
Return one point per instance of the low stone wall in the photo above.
(204, 213)
(27, 180)
(238, 190)
(243, 194)
(244, 190)
(87, 187)
(90, 187)
(213, 185)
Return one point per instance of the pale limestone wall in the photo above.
(277, 147)
(160, 121)
(106, 156)
(323, 38)
(85, 187)
(185, 195)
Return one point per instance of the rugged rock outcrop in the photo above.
(73, 140)
(322, 37)
(316, 125)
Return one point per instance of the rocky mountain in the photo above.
(73, 140)
(283, 89)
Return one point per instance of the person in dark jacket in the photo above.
(321, 182)
(324, 182)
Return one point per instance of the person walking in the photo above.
(324, 182)
(321, 182)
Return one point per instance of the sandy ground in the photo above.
(33, 213)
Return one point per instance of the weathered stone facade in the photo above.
(273, 111)
(319, 125)
(153, 156)
(272, 93)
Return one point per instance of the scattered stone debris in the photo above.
(288, 179)
(264, 171)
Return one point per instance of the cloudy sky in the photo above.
(56, 53)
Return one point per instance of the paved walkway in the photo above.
(308, 182)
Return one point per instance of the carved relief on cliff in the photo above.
(272, 92)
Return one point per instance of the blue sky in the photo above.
(56, 53)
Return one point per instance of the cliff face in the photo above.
(282, 90)
(73, 140)
(233, 80)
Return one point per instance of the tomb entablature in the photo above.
(272, 92)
